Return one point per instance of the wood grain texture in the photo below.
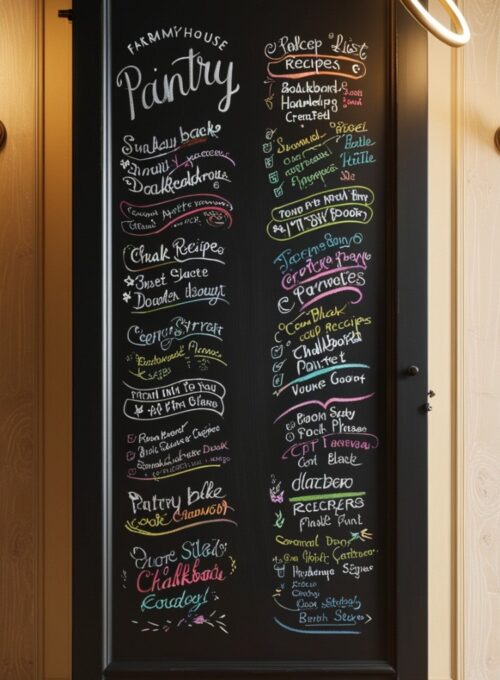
(19, 421)
(57, 341)
(481, 312)
(441, 461)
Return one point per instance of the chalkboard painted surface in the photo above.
(249, 467)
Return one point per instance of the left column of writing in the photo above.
(175, 514)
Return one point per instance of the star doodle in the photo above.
(129, 281)
(126, 297)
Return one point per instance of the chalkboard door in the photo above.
(249, 340)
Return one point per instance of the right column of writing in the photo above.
(319, 155)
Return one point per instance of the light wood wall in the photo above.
(442, 543)
(465, 242)
(20, 298)
(480, 366)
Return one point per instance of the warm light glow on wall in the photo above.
(456, 38)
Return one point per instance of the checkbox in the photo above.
(276, 352)
(278, 380)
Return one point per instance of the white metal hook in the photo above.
(456, 38)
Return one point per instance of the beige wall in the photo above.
(479, 220)
(464, 221)
(442, 544)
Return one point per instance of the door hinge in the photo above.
(65, 14)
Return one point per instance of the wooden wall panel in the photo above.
(442, 545)
(480, 256)
(57, 341)
(19, 335)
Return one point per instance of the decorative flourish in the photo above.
(276, 595)
(153, 627)
(279, 520)
(363, 535)
(269, 100)
(233, 565)
(214, 620)
(276, 492)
